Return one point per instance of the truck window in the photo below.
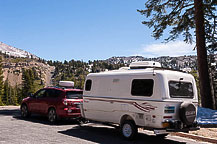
(74, 94)
(180, 89)
(88, 85)
(53, 93)
(142, 87)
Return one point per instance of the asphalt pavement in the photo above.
(37, 130)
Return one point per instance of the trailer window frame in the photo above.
(88, 85)
(142, 87)
(173, 91)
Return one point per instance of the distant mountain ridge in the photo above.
(15, 52)
(178, 63)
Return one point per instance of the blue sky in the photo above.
(81, 29)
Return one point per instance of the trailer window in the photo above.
(180, 89)
(142, 87)
(88, 85)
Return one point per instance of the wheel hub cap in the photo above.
(127, 130)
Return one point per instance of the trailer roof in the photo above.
(127, 70)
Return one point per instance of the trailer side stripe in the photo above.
(146, 108)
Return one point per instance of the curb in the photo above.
(9, 107)
(208, 125)
(195, 137)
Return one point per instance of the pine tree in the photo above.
(183, 17)
(28, 83)
(19, 95)
(1, 82)
(14, 96)
(6, 96)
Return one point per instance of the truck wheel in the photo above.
(187, 113)
(129, 130)
(52, 116)
(82, 120)
(24, 111)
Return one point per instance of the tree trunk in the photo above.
(205, 89)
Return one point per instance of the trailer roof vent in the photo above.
(144, 64)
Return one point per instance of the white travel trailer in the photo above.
(142, 95)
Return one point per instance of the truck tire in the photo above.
(129, 130)
(187, 113)
(24, 111)
(52, 116)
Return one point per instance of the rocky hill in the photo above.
(16, 60)
(15, 52)
(13, 68)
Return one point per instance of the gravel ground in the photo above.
(206, 132)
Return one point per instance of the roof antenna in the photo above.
(153, 70)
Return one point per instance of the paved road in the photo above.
(36, 130)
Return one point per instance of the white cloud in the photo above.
(176, 48)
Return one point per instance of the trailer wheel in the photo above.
(129, 130)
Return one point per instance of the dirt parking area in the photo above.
(206, 132)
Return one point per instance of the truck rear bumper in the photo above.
(176, 126)
(183, 130)
(168, 130)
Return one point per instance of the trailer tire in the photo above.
(129, 130)
(187, 113)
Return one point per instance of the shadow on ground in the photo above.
(110, 135)
(15, 113)
(10, 112)
(91, 132)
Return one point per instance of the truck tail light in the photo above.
(71, 103)
(67, 102)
